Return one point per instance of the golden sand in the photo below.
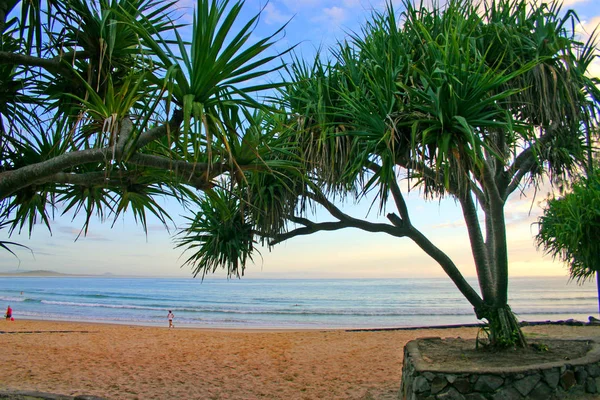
(135, 362)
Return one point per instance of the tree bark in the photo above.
(12, 181)
(503, 328)
(478, 247)
(449, 268)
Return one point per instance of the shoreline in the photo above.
(267, 328)
(117, 361)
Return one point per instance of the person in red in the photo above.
(8, 313)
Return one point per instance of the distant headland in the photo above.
(40, 273)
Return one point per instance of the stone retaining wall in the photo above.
(422, 381)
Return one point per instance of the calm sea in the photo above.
(253, 303)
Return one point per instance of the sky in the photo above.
(124, 248)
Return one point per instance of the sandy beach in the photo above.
(136, 362)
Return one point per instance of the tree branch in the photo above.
(307, 230)
(53, 65)
(398, 199)
(87, 179)
(121, 178)
(344, 221)
(11, 181)
(522, 165)
(329, 206)
(160, 131)
(479, 195)
(449, 268)
(299, 220)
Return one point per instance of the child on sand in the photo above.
(8, 313)
(170, 316)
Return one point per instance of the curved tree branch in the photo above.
(11, 181)
(53, 65)
(522, 165)
(449, 268)
(307, 230)
(398, 199)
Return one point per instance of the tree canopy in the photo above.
(467, 101)
(570, 228)
(105, 107)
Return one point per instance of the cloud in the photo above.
(351, 3)
(567, 3)
(74, 232)
(332, 17)
(585, 28)
(158, 228)
(296, 5)
(273, 16)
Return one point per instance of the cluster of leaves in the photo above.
(106, 108)
(570, 228)
(447, 90)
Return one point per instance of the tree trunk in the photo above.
(491, 261)
(503, 328)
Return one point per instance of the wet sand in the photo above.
(136, 362)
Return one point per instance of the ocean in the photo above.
(281, 303)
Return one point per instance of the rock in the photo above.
(541, 392)
(462, 385)
(526, 385)
(420, 384)
(563, 368)
(488, 383)
(450, 394)
(507, 394)
(593, 370)
(475, 396)
(438, 384)
(572, 322)
(551, 376)
(27, 395)
(580, 375)
(567, 380)
(590, 385)
(451, 378)
(429, 376)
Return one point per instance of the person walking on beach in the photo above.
(8, 313)
(170, 317)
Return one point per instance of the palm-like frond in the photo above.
(219, 236)
(570, 226)
(104, 65)
(445, 91)
(216, 74)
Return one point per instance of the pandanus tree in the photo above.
(475, 103)
(105, 107)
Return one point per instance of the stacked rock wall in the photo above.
(422, 381)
